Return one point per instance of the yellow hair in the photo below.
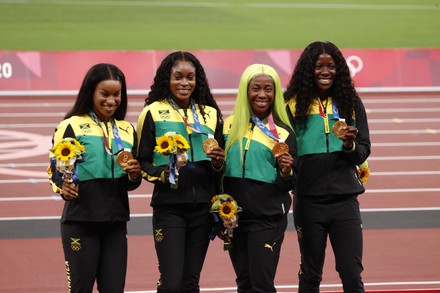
(242, 109)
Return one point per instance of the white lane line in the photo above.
(404, 120)
(226, 113)
(405, 144)
(421, 209)
(369, 111)
(403, 173)
(403, 158)
(401, 190)
(220, 102)
(405, 131)
(328, 286)
(55, 197)
(403, 110)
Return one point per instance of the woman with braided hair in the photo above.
(332, 132)
(180, 102)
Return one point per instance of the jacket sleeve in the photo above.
(132, 185)
(283, 182)
(55, 177)
(218, 135)
(146, 143)
(362, 145)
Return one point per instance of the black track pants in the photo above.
(95, 251)
(256, 252)
(336, 217)
(181, 237)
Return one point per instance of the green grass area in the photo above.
(216, 24)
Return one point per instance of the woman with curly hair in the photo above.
(180, 103)
(333, 138)
(260, 172)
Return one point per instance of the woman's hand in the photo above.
(285, 161)
(133, 168)
(165, 176)
(217, 154)
(350, 137)
(69, 190)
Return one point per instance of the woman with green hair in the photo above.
(260, 172)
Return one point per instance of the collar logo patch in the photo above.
(164, 114)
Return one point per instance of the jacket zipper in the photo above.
(112, 155)
(246, 147)
(192, 155)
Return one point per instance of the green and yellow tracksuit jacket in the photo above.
(252, 176)
(324, 168)
(103, 184)
(198, 181)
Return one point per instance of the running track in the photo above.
(401, 208)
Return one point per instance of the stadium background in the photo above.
(401, 208)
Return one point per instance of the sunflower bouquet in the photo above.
(363, 171)
(176, 147)
(65, 154)
(225, 207)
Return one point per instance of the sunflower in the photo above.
(181, 142)
(80, 149)
(363, 172)
(227, 210)
(224, 200)
(64, 151)
(165, 145)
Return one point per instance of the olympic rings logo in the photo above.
(355, 64)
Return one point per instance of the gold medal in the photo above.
(208, 144)
(339, 128)
(280, 148)
(123, 157)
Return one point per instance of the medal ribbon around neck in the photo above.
(323, 114)
(118, 139)
(196, 127)
(335, 109)
(272, 133)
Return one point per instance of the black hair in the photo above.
(96, 74)
(303, 88)
(160, 89)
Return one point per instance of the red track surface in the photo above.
(394, 259)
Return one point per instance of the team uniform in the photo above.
(263, 194)
(326, 196)
(94, 225)
(182, 222)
